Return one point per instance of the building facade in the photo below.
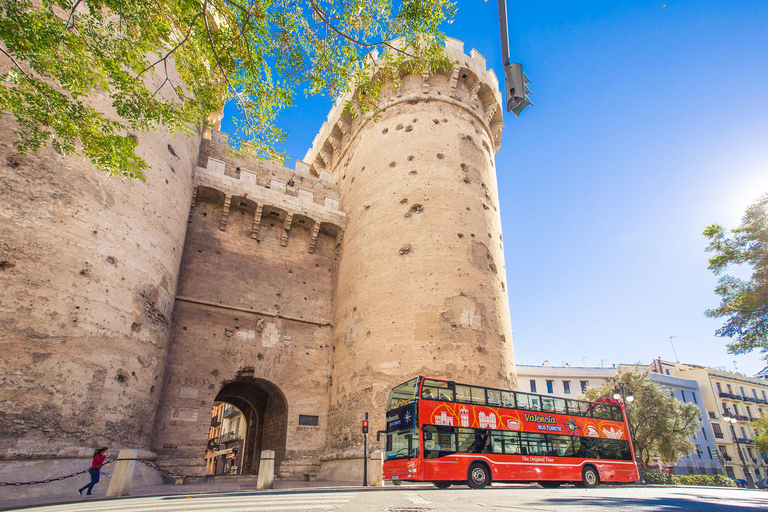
(730, 396)
(299, 295)
(570, 382)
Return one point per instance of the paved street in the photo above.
(459, 499)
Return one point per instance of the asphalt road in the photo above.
(458, 499)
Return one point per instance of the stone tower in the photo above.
(88, 268)
(421, 285)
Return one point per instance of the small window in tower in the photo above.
(308, 421)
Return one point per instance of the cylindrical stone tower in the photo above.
(88, 269)
(421, 286)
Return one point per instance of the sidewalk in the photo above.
(200, 487)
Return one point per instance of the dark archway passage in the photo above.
(266, 414)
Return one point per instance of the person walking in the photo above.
(98, 461)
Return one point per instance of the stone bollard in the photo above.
(120, 484)
(266, 470)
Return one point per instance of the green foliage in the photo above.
(744, 303)
(171, 63)
(705, 480)
(761, 437)
(660, 424)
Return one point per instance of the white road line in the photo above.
(416, 499)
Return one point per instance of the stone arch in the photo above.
(210, 195)
(266, 411)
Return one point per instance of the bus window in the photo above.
(471, 440)
(533, 402)
(507, 399)
(533, 444)
(402, 445)
(547, 404)
(509, 442)
(560, 406)
(463, 394)
(614, 449)
(577, 407)
(602, 411)
(478, 396)
(402, 393)
(586, 448)
(494, 397)
(526, 401)
(436, 390)
(616, 413)
(438, 441)
(562, 446)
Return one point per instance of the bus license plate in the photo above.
(395, 477)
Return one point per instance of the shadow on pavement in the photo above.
(660, 504)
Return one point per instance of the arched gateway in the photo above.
(266, 419)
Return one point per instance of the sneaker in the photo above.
(80, 491)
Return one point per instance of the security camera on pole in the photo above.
(517, 91)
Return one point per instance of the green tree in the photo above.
(172, 62)
(761, 439)
(744, 302)
(660, 424)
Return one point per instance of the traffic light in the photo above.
(365, 426)
(517, 91)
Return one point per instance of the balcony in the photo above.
(228, 437)
(712, 415)
(723, 394)
(744, 440)
(230, 411)
(213, 444)
(215, 422)
(741, 417)
(727, 458)
(719, 435)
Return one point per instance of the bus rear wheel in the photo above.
(589, 477)
(478, 476)
(442, 485)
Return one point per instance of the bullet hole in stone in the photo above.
(151, 389)
(77, 307)
(199, 251)
(121, 376)
(5, 265)
(461, 235)
(399, 127)
(362, 168)
(410, 158)
(352, 180)
(481, 350)
(173, 170)
(486, 207)
(467, 180)
(184, 328)
(415, 119)
(404, 200)
(503, 286)
(489, 235)
(501, 238)
(445, 120)
(436, 121)
(215, 373)
(409, 128)
(468, 209)
(84, 272)
(136, 326)
(413, 172)
(405, 250)
(416, 208)
(111, 260)
(307, 353)
(305, 298)
(367, 206)
(385, 130)
(259, 356)
(279, 295)
(166, 182)
(473, 235)
(95, 232)
(290, 271)
(440, 156)
(205, 214)
(14, 161)
(303, 282)
(171, 151)
(317, 264)
(392, 164)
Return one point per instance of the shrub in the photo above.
(659, 478)
(668, 479)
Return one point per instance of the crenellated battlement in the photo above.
(269, 189)
(468, 84)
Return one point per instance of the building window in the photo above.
(764, 397)
(550, 386)
(743, 433)
(682, 394)
(533, 386)
(693, 394)
(698, 451)
(667, 371)
(567, 387)
(754, 393)
(743, 393)
(719, 389)
(704, 433)
(709, 451)
(730, 389)
(308, 421)
(716, 429)
(585, 383)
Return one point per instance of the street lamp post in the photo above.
(625, 395)
(732, 422)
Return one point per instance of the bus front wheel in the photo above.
(590, 477)
(478, 476)
(442, 485)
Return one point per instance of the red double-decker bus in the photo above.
(449, 433)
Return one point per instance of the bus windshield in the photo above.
(402, 393)
(403, 444)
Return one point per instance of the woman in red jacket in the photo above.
(98, 460)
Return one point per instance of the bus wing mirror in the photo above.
(378, 434)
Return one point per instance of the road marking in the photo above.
(416, 499)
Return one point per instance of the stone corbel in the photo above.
(194, 200)
(286, 228)
(454, 81)
(225, 213)
(313, 237)
(257, 222)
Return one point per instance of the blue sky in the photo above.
(650, 121)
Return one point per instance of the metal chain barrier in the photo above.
(49, 480)
(145, 462)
